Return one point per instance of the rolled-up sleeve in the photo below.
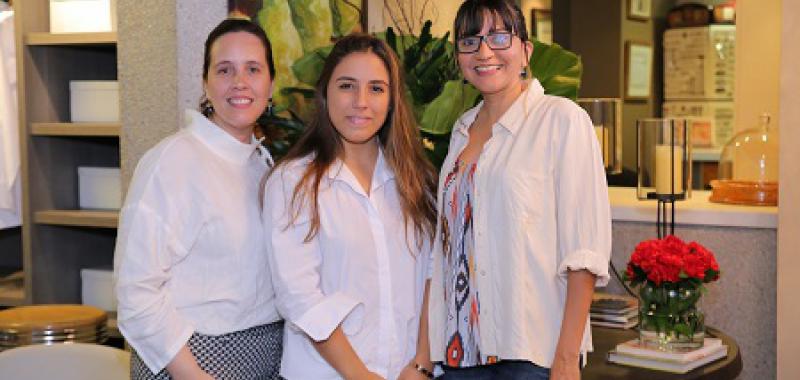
(296, 265)
(583, 210)
(147, 315)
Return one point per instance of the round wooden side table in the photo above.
(605, 339)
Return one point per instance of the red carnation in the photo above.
(671, 260)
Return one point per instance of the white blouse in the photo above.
(190, 251)
(361, 271)
(541, 209)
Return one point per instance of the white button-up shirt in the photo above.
(362, 270)
(541, 209)
(190, 251)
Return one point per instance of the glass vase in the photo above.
(669, 318)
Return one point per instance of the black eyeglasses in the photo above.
(495, 41)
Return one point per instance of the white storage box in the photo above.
(94, 101)
(97, 289)
(82, 16)
(99, 188)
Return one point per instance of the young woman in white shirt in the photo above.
(349, 217)
(524, 230)
(192, 276)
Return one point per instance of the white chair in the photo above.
(69, 361)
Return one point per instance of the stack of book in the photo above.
(610, 310)
(631, 353)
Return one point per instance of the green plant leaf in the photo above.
(308, 68)
(307, 93)
(557, 69)
(439, 116)
(313, 20)
(391, 38)
(276, 19)
(346, 16)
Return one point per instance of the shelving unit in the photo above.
(43, 38)
(77, 218)
(76, 129)
(58, 238)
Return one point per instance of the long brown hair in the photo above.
(399, 138)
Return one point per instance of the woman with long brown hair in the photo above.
(349, 219)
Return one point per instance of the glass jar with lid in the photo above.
(748, 167)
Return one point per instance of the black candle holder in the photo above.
(663, 165)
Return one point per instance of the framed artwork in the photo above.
(638, 70)
(639, 9)
(542, 25)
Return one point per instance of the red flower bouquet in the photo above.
(671, 260)
(671, 274)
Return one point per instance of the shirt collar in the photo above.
(513, 117)
(221, 142)
(382, 174)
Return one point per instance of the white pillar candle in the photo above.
(665, 176)
(602, 138)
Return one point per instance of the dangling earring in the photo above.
(465, 81)
(524, 73)
(208, 108)
(269, 107)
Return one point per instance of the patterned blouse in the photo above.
(458, 246)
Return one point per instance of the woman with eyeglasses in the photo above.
(524, 229)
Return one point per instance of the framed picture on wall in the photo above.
(542, 25)
(639, 9)
(638, 70)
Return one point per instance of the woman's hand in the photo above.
(565, 368)
(184, 366)
(411, 373)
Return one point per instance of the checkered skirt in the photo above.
(254, 353)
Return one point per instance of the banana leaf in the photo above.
(346, 16)
(314, 21)
(440, 114)
(275, 19)
(557, 69)
(308, 68)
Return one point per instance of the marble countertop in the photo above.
(697, 210)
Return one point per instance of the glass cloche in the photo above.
(748, 167)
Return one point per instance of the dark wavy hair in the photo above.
(233, 25)
(399, 137)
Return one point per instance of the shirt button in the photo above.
(483, 273)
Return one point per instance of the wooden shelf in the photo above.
(45, 39)
(76, 129)
(12, 295)
(78, 218)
